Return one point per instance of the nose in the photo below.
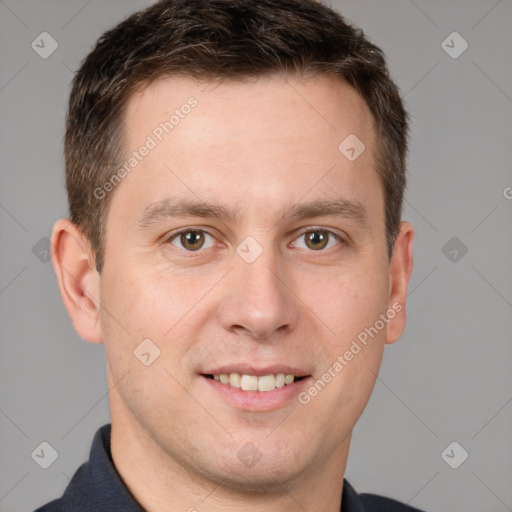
(257, 300)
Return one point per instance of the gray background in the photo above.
(448, 379)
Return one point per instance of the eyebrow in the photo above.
(170, 208)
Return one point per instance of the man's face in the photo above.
(248, 293)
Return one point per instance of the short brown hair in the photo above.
(220, 39)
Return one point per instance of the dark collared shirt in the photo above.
(97, 487)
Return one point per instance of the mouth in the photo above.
(255, 388)
(261, 383)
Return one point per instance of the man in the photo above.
(235, 172)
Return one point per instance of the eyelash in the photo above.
(331, 235)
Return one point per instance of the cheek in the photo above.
(141, 315)
(131, 310)
(355, 306)
(351, 304)
(150, 305)
(143, 303)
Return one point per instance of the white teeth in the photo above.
(235, 379)
(280, 378)
(249, 382)
(255, 383)
(266, 383)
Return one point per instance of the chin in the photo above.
(262, 471)
(266, 479)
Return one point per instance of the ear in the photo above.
(400, 271)
(79, 281)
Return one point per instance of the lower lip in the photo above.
(257, 400)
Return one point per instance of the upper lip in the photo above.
(247, 369)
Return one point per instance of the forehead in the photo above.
(260, 143)
(319, 99)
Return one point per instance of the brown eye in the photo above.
(190, 239)
(317, 239)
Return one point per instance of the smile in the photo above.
(254, 382)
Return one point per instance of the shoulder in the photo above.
(76, 497)
(81, 494)
(376, 503)
(53, 506)
(352, 501)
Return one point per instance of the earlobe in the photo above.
(400, 271)
(79, 281)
